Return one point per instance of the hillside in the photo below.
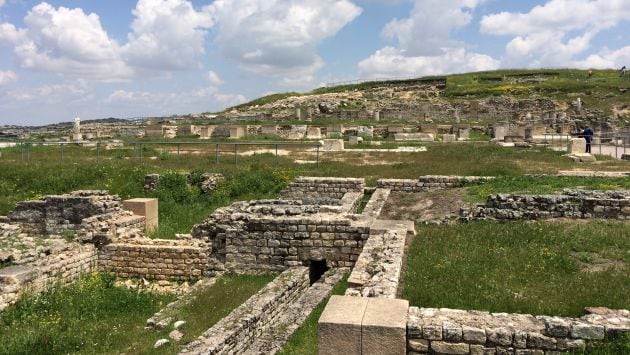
(486, 95)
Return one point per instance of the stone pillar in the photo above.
(377, 115)
(576, 145)
(339, 327)
(147, 207)
(298, 113)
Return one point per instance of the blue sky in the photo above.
(125, 58)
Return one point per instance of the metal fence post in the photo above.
(98, 153)
(276, 155)
(235, 154)
(141, 149)
(318, 156)
(61, 151)
(22, 150)
(216, 153)
(134, 151)
(178, 145)
(28, 151)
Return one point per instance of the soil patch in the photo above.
(593, 262)
(424, 206)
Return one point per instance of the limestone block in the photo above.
(269, 130)
(576, 145)
(499, 132)
(147, 207)
(587, 331)
(332, 145)
(17, 275)
(384, 326)
(339, 327)
(314, 133)
(442, 347)
(449, 138)
(423, 137)
(474, 335)
(419, 345)
(237, 132)
(354, 140)
(206, 132)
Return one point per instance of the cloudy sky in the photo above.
(125, 58)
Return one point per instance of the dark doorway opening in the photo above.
(316, 269)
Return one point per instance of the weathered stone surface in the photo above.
(419, 345)
(474, 335)
(339, 327)
(384, 326)
(587, 331)
(146, 207)
(442, 347)
(499, 336)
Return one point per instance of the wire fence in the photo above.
(616, 146)
(218, 152)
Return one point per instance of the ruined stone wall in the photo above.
(322, 190)
(424, 183)
(236, 332)
(450, 331)
(569, 204)
(63, 266)
(54, 214)
(156, 259)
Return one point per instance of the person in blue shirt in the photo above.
(588, 137)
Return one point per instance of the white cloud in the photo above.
(555, 33)
(201, 98)
(214, 79)
(605, 59)
(2, 3)
(65, 41)
(424, 43)
(66, 92)
(279, 38)
(167, 35)
(7, 77)
(391, 62)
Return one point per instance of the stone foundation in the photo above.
(569, 204)
(427, 182)
(450, 331)
(156, 259)
(64, 267)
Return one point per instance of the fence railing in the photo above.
(616, 146)
(26, 149)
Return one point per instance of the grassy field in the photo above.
(304, 340)
(92, 316)
(520, 267)
(263, 176)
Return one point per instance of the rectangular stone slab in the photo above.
(147, 207)
(339, 327)
(17, 274)
(384, 327)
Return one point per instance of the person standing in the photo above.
(588, 137)
(622, 72)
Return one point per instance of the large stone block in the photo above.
(147, 207)
(332, 145)
(237, 132)
(449, 138)
(339, 327)
(576, 145)
(385, 326)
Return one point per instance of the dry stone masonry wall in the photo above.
(156, 259)
(427, 182)
(569, 204)
(236, 332)
(450, 331)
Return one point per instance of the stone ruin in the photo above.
(313, 236)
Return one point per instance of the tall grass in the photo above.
(518, 267)
(89, 316)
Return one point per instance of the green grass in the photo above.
(93, 316)
(209, 306)
(542, 185)
(518, 267)
(304, 340)
(89, 316)
(263, 176)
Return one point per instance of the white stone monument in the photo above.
(76, 130)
